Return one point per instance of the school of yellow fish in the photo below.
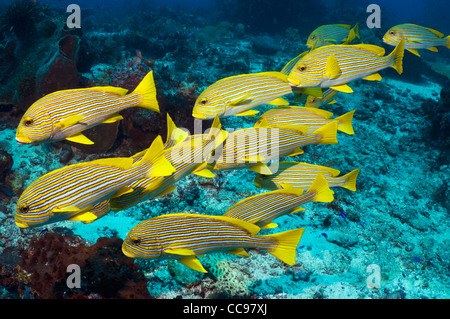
(87, 191)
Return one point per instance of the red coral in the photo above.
(105, 271)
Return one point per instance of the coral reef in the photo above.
(396, 219)
(41, 269)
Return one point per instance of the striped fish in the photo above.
(334, 66)
(263, 208)
(236, 95)
(254, 147)
(327, 98)
(185, 236)
(332, 34)
(71, 192)
(189, 156)
(288, 67)
(293, 116)
(302, 175)
(65, 114)
(416, 37)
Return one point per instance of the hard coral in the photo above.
(105, 271)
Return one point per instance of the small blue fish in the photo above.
(42, 232)
(324, 235)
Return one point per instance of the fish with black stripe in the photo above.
(334, 66)
(65, 114)
(184, 237)
(262, 209)
(71, 192)
(302, 175)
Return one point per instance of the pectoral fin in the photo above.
(68, 122)
(243, 99)
(80, 139)
(332, 69)
(70, 209)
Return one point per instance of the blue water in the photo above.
(388, 239)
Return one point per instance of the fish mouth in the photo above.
(198, 116)
(22, 225)
(23, 139)
(295, 83)
(127, 253)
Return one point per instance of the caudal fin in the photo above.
(448, 41)
(328, 132)
(323, 193)
(147, 91)
(287, 245)
(345, 123)
(156, 160)
(350, 180)
(398, 53)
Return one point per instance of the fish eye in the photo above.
(134, 240)
(302, 67)
(24, 208)
(28, 121)
(313, 37)
(203, 101)
(392, 32)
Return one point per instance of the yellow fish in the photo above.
(184, 237)
(334, 66)
(237, 95)
(416, 37)
(65, 114)
(332, 34)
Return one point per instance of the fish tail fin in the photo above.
(285, 249)
(350, 180)
(345, 123)
(398, 53)
(356, 30)
(328, 132)
(147, 91)
(448, 41)
(323, 193)
(155, 156)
